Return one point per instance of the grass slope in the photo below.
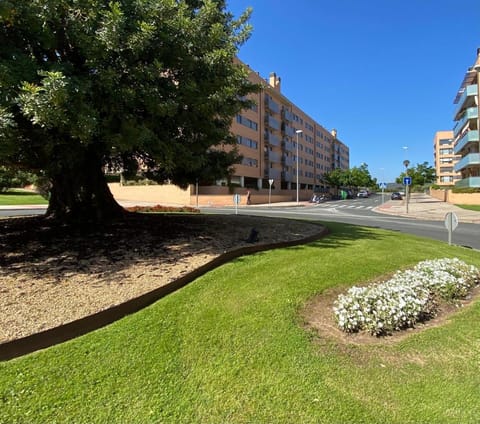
(20, 197)
(470, 207)
(230, 348)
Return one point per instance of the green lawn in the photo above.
(470, 207)
(230, 348)
(20, 197)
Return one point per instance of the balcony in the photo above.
(469, 137)
(273, 173)
(473, 182)
(274, 140)
(470, 113)
(287, 115)
(272, 122)
(275, 157)
(466, 100)
(287, 160)
(289, 131)
(270, 104)
(472, 159)
(287, 145)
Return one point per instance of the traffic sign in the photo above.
(383, 185)
(451, 221)
(407, 180)
(236, 199)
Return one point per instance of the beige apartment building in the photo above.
(444, 158)
(275, 136)
(467, 128)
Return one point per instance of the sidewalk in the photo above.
(423, 206)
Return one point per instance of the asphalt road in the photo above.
(360, 212)
(351, 211)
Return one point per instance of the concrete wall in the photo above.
(456, 198)
(159, 194)
(207, 196)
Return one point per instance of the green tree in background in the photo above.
(353, 178)
(89, 84)
(360, 177)
(421, 174)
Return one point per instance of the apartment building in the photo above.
(466, 129)
(444, 159)
(275, 136)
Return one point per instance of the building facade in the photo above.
(444, 158)
(275, 136)
(466, 129)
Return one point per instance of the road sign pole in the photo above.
(451, 222)
(270, 182)
(406, 194)
(407, 181)
(236, 200)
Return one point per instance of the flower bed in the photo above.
(163, 209)
(409, 297)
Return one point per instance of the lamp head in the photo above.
(298, 131)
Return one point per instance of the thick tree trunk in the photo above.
(80, 191)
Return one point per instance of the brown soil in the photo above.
(51, 275)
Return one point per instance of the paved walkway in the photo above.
(423, 206)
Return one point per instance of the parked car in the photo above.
(396, 196)
(363, 193)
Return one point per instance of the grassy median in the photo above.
(231, 348)
(21, 197)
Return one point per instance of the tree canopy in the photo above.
(356, 177)
(89, 84)
(421, 174)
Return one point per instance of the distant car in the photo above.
(362, 193)
(396, 196)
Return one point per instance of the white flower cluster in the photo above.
(408, 297)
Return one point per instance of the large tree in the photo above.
(86, 84)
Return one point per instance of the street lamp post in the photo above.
(297, 132)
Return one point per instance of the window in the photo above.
(247, 122)
(245, 141)
(250, 162)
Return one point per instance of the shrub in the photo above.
(409, 297)
(466, 190)
(163, 209)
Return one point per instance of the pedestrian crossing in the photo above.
(342, 206)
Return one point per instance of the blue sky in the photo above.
(384, 73)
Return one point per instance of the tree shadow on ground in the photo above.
(38, 246)
(341, 234)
